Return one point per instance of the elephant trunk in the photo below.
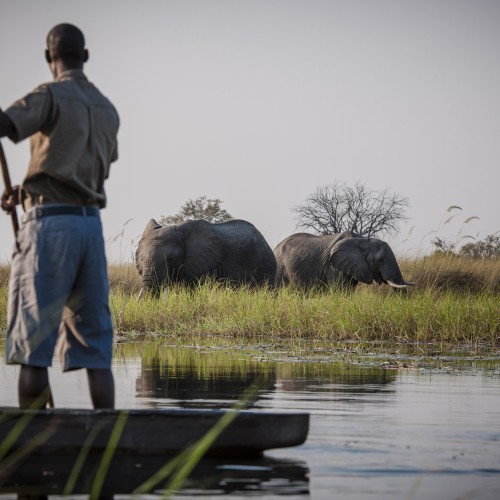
(391, 274)
(150, 285)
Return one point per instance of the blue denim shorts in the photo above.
(59, 292)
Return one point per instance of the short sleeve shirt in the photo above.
(73, 140)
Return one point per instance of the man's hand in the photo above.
(9, 201)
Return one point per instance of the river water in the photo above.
(376, 432)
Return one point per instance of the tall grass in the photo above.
(454, 300)
(213, 311)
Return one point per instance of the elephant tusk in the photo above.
(395, 285)
(141, 293)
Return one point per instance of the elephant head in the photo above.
(367, 260)
(177, 253)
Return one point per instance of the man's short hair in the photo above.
(66, 41)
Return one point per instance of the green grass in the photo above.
(213, 311)
(455, 300)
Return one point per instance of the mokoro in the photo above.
(147, 431)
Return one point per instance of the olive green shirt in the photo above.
(72, 129)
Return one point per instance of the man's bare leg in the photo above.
(33, 387)
(102, 387)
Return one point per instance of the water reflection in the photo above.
(334, 377)
(41, 476)
(186, 377)
(376, 433)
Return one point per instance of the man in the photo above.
(58, 288)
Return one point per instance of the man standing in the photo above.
(58, 288)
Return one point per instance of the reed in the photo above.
(454, 300)
(215, 312)
(447, 271)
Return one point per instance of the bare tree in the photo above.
(339, 207)
(200, 208)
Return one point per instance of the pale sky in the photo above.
(259, 102)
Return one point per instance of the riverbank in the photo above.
(455, 303)
(218, 312)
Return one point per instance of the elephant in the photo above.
(233, 251)
(341, 259)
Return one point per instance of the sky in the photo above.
(260, 102)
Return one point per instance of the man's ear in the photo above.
(85, 55)
(47, 56)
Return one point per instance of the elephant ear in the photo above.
(347, 256)
(203, 250)
(151, 226)
(149, 230)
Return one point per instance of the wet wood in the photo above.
(149, 431)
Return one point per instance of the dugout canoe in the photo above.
(147, 431)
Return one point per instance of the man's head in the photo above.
(66, 45)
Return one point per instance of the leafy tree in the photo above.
(339, 207)
(200, 208)
(489, 248)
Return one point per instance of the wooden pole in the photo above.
(8, 188)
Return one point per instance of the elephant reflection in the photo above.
(192, 379)
(334, 378)
(190, 386)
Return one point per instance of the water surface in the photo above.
(376, 432)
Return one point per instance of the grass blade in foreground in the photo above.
(70, 483)
(18, 429)
(108, 455)
(26, 450)
(186, 461)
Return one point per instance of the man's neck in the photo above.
(59, 67)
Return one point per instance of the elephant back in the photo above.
(248, 256)
(300, 259)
